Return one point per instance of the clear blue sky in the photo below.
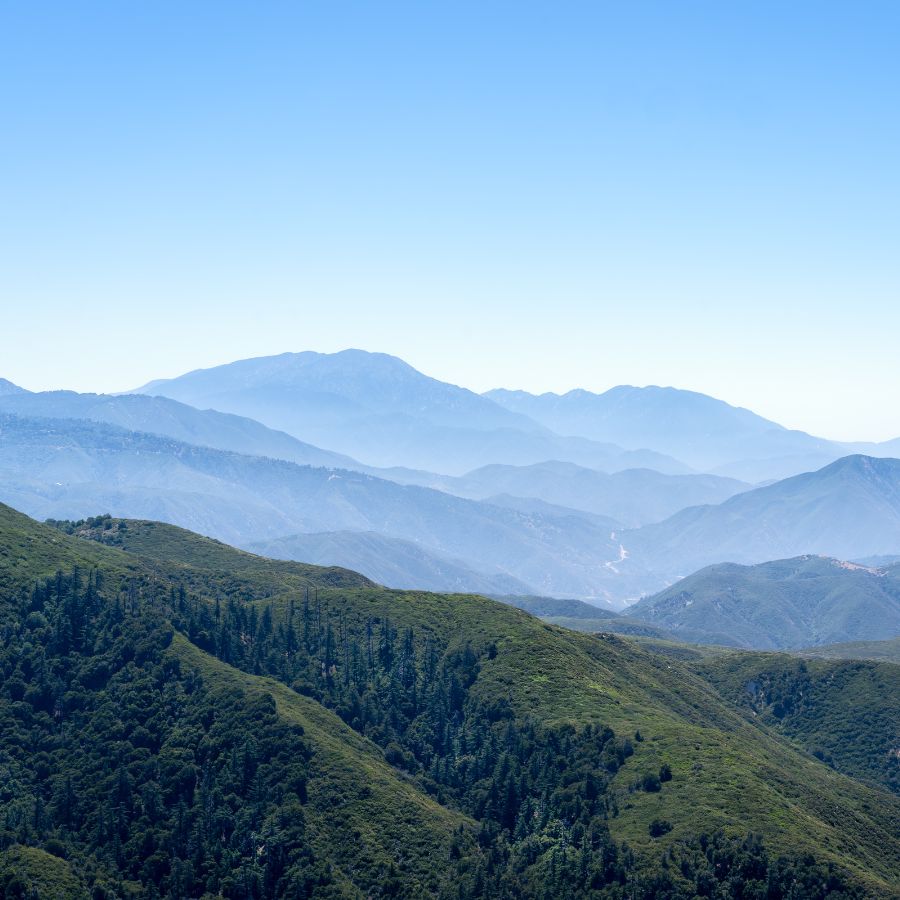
(537, 195)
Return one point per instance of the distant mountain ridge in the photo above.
(633, 497)
(556, 515)
(74, 468)
(379, 409)
(706, 433)
(345, 379)
(848, 509)
(376, 408)
(393, 562)
(160, 415)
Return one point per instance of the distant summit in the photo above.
(7, 388)
(352, 380)
(379, 409)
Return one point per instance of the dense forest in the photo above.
(128, 771)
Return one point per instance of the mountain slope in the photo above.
(389, 561)
(375, 804)
(159, 734)
(878, 651)
(66, 469)
(846, 713)
(8, 389)
(559, 704)
(377, 408)
(559, 676)
(849, 509)
(799, 602)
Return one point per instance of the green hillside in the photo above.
(846, 713)
(881, 651)
(358, 806)
(547, 607)
(181, 719)
(184, 552)
(778, 605)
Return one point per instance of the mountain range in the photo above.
(522, 523)
(377, 408)
(848, 509)
(707, 434)
(159, 415)
(73, 468)
(633, 497)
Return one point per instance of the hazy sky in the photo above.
(537, 195)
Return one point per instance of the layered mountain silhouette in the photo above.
(357, 459)
(70, 468)
(73, 468)
(848, 509)
(708, 434)
(390, 561)
(633, 497)
(377, 408)
(159, 415)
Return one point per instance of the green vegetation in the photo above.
(32, 872)
(546, 607)
(779, 605)
(845, 713)
(184, 720)
(618, 625)
(880, 651)
(231, 570)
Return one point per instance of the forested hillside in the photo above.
(781, 604)
(844, 712)
(185, 720)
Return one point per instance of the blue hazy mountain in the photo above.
(160, 415)
(706, 433)
(74, 468)
(632, 497)
(7, 388)
(384, 412)
(805, 601)
(849, 509)
(390, 561)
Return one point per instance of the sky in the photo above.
(528, 195)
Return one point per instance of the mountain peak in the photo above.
(7, 387)
(860, 465)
